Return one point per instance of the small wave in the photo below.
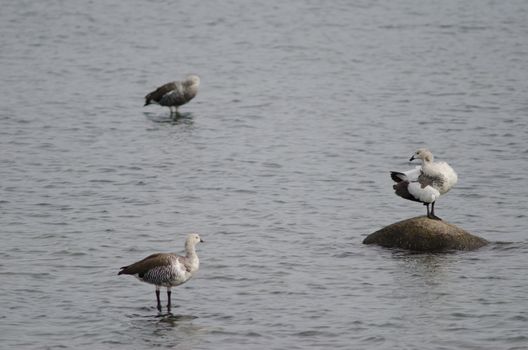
(315, 333)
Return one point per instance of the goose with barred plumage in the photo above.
(167, 269)
(175, 93)
(425, 183)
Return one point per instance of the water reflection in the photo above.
(171, 318)
(167, 330)
(428, 266)
(185, 118)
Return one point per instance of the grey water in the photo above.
(281, 163)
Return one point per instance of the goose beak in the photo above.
(412, 158)
(201, 240)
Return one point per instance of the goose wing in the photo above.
(143, 266)
(420, 190)
(160, 92)
(409, 175)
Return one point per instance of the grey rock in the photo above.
(424, 234)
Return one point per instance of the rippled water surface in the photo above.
(280, 163)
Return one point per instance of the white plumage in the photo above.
(425, 183)
(428, 194)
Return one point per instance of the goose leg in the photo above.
(158, 298)
(176, 114)
(168, 299)
(427, 205)
(433, 216)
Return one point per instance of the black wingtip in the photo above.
(395, 177)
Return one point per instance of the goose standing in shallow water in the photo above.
(425, 183)
(174, 94)
(166, 269)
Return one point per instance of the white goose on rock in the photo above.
(167, 269)
(425, 183)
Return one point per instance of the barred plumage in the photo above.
(165, 276)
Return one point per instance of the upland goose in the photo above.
(425, 183)
(174, 94)
(166, 269)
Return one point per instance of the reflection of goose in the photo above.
(167, 269)
(425, 183)
(174, 94)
